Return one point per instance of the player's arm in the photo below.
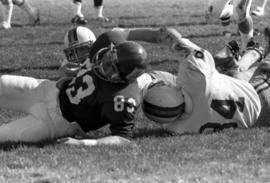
(120, 113)
(68, 69)
(108, 140)
(167, 36)
(150, 35)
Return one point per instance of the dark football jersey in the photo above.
(93, 102)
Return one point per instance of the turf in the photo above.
(154, 155)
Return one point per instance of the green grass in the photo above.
(154, 156)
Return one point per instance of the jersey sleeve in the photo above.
(120, 115)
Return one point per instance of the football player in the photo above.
(79, 17)
(77, 45)
(230, 102)
(213, 101)
(259, 11)
(24, 5)
(240, 10)
(106, 92)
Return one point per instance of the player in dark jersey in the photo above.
(106, 92)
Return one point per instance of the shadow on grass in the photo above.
(146, 132)
(9, 146)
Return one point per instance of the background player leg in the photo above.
(98, 4)
(77, 9)
(259, 11)
(225, 18)
(241, 13)
(32, 12)
(7, 10)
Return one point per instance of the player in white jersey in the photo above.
(213, 100)
(7, 11)
(240, 11)
(218, 101)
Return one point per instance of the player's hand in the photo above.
(69, 70)
(169, 36)
(74, 141)
(76, 131)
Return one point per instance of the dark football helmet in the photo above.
(121, 63)
(78, 42)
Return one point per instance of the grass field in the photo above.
(154, 156)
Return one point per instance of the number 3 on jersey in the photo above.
(81, 87)
(121, 103)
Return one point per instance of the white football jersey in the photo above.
(218, 101)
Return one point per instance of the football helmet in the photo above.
(120, 63)
(78, 42)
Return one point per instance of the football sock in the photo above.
(78, 9)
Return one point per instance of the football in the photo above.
(163, 103)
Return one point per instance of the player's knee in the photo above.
(246, 26)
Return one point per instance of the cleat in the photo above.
(5, 25)
(78, 20)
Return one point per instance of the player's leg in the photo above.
(7, 10)
(77, 9)
(248, 63)
(225, 18)
(227, 58)
(26, 129)
(39, 99)
(254, 54)
(261, 82)
(259, 11)
(32, 129)
(32, 12)
(98, 4)
(241, 13)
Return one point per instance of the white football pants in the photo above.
(39, 99)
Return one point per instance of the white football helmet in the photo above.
(77, 43)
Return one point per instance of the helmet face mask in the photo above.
(78, 53)
(107, 65)
(78, 42)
